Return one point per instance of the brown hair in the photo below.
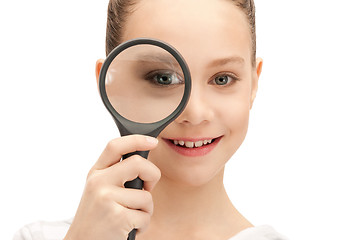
(118, 10)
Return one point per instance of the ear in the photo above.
(98, 66)
(255, 80)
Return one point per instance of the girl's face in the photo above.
(214, 38)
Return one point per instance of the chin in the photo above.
(189, 176)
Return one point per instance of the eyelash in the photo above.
(232, 77)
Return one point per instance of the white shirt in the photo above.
(57, 231)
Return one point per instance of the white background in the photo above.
(297, 170)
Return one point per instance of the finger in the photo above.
(131, 168)
(138, 220)
(133, 199)
(123, 145)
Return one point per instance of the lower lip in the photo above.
(195, 151)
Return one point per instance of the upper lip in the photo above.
(191, 139)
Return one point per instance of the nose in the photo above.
(198, 109)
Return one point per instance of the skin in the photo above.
(189, 200)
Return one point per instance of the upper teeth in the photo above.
(189, 144)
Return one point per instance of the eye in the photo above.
(164, 78)
(224, 79)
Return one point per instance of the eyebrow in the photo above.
(156, 57)
(227, 60)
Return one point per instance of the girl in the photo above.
(184, 196)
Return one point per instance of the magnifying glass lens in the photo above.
(144, 83)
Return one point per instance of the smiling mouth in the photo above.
(193, 147)
(189, 144)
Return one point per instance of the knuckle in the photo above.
(99, 192)
(90, 173)
(93, 182)
(104, 195)
(136, 160)
(111, 145)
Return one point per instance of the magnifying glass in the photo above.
(145, 85)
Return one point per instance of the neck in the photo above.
(178, 206)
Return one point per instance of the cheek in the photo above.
(235, 119)
(237, 126)
(240, 125)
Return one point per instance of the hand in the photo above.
(108, 210)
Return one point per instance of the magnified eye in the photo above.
(164, 78)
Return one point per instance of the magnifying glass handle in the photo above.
(132, 235)
(137, 183)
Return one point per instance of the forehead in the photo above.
(207, 28)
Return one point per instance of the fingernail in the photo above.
(152, 140)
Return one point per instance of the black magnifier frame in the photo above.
(125, 126)
(128, 127)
